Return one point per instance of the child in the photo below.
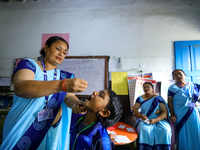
(88, 132)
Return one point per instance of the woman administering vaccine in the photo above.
(43, 96)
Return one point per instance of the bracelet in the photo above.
(64, 86)
(138, 114)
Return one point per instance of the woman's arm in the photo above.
(171, 109)
(135, 110)
(73, 102)
(162, 115)
(26, 87)
(158, 111)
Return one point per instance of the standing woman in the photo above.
(152, 125)
(43, 95)
(182, 101)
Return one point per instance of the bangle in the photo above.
(138, 114)
(64, 86)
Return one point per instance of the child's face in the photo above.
(97, 101)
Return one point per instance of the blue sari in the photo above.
(187, 124)
(21, 127)
(156, 135)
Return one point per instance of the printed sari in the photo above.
(22, 129)
(187, 124)
(156, 135)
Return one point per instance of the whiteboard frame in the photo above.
(106, 60)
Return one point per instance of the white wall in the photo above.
(141, 32)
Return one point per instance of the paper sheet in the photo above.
(119, 83)
(121, 126)
(109, 132)
(121, 139)
(130, 129)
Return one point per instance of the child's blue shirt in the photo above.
(92, 137)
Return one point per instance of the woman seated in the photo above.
(152, 124)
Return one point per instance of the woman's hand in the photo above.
(75, 85)
(173, 118)
(78, 108)
(171, 108)
(143, 117)
(152, 121)
(112, 136)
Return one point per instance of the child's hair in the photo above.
(115, 108)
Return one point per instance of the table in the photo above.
(132, 136)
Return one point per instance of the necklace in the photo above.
(181, 85)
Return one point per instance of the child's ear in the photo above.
(104, 112)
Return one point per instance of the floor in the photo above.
(131, 146)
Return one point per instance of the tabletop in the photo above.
(124, 129)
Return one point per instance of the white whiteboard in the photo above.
(91, 70)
